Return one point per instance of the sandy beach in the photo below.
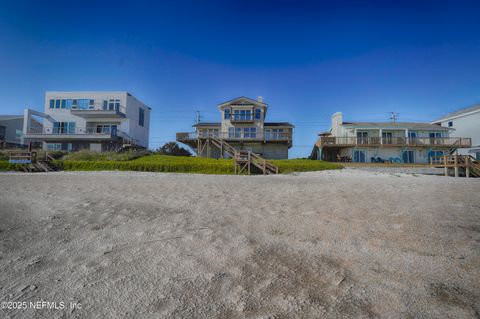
(332, 244)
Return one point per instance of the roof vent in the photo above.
(260, 99)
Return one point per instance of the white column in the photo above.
(380, 131)
(406, 136)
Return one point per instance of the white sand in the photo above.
(333, 244)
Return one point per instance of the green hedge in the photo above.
(179, 164)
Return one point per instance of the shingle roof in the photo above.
(459, 112)
(414, 125)
(208, 124)
(278, 124)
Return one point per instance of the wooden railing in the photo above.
(397, 141)
(466, 162)
(285, 136)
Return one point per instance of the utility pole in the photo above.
(393, 117)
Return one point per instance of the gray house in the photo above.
(11, 130)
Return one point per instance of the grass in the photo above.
(88, 161)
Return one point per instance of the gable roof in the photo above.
(412, 125)
(231, 102)
(459, 112)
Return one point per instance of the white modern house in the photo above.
(243, 127)
(465, 122)
(96, 121)
(398, 142)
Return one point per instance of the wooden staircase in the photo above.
(466, 163)
(245, 161)
(28, 161)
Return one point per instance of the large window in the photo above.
(249, 132)
(52, 104)
(141, 117)
(243, 115)
(227, 114)
(274, 134)
(57, 104)
(64, 128)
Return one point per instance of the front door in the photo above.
(387, 137)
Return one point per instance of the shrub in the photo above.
(86, 155)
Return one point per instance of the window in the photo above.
(64, 128)
(105, 105)
(106, 129)
(74, 103)
(249, 132)
(409, 156)
(243, 115)
(91, 104)
(141, 116)
(52, 104)
(258, 114)
(57, 104)
(64, 104)
(54, 146)
(18, 133)
(362, 137)
(234, 132)
(69, 103)
(227, 114)
(83, 104)
(450, 124)
(359, 156)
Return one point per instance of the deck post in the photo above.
(467, 166)
(455, 161)
(445, 164)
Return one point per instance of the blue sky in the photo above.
(308, 59)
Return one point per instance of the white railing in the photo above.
(73, 131)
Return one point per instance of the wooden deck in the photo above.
(457, 142)
(466, 163)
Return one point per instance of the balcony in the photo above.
(458, 142)
(100, 111)
(243, 137)
(242, 118)
(78, 133)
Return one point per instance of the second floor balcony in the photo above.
(73, 133)
(237, 136)
(458, 142)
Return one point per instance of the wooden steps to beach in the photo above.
(28, 161)
(245, 161)
(466, 164)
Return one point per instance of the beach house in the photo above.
(96, 121)
(465, 122)
(11, 130)
(242, 127)
(398, 142)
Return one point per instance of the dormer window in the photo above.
(258, 114)
(227, 113)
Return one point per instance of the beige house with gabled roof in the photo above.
(242, 126)
(399, 142)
